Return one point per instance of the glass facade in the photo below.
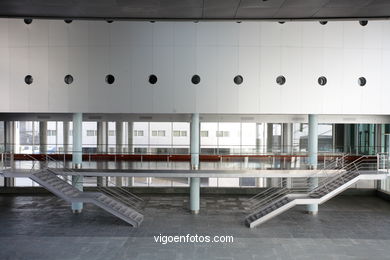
(26, 137)
(161, 137)
(222, 138)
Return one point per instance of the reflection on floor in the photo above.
(42, 227)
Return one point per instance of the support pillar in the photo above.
(270, 137)
(313, 157)
(287, 138)
(130, 133)
(42, 140)
(195, 181)
(356, 138)
(102, 141)
(383, 138)
(261, 148)
(119, 137)
(43, 137)
(119, 149)
(287, 142)
(9, 147)
(339, 137)
(77, 157)
(378, 138)
(65, 131)
(371, 139)
(102, 136)
(259, 143)
(347, 139)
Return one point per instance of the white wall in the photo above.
(174, 51)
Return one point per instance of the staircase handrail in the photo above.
(114, 193)
(271, 190)
(344, 170)
(352, 167)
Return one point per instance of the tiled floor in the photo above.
(42, 227)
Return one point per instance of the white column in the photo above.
(77, 157)
(313, 157)
(119, 149)
(195, 147)
(43, 137)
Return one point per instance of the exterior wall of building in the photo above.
(175, 51)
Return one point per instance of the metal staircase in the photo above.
(276, 200)
(56, 185)
(115, 200)
(64, 190)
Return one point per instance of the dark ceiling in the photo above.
(197, 9)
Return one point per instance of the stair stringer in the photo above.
(300, 199)
(88, 197)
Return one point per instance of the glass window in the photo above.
(91, 133)
(204, 133)
(161, 133)
(222, 134)
(27, 137)
(141, 142)
(111, 133)
(181, 145)
(154, 133)
(89, 137)
(301, 133)
(138, 133)
(177, 133)
(51, 132)
(248, 138)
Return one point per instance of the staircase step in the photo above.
(51, 180)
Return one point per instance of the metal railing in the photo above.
(339, 169)
(221, 161)
(119, 193)
(282, 185)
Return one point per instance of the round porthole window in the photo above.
(238, 79)
(27, 21)
(362, 81)
(195, 79)
(322, 81)
(152, 79)
(323, 22)
(363, 23)
(68, 21)
(28, 79)
(110, 79)
(68, 79)
(281, 80)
